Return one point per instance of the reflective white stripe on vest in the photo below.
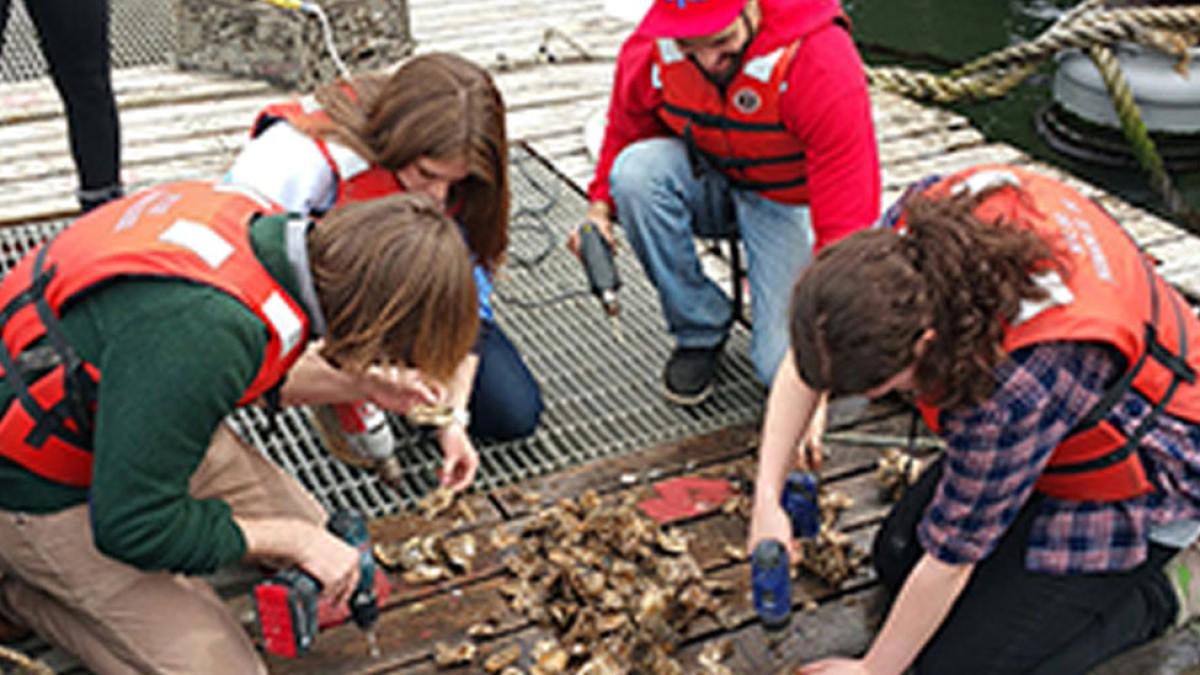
(284, 321)
(245, 191)
(349, 163)
(309, 103)
(984, 180)
(1057, 293)
(761, 67)
(668, 51)
(199, 239)
(655, 77)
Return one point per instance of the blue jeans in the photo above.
(506, 402)
(662, 204)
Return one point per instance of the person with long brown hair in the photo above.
(128, 339)
(436, 125)
(1057, 527)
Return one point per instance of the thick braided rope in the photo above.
(945, 89)
(1086, 30)
(997, 73)
(1136, 132)
(1087, 27)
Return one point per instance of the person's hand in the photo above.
(597, 215)
(834, 666)
(460, 461)
(770, 521)
(812, 447)
(399, 389)
(332, 562)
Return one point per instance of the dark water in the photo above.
(940, 34)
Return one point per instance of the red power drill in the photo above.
(286, 606)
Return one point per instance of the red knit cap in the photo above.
(689, 18)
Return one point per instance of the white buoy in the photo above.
(1169, 102)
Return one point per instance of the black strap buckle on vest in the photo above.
(1176, 364)
(702, 161)
(273, 403)
(79, 389)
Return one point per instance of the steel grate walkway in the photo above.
(602, 398)
(141, 33)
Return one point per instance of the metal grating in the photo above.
(141, 33)
(602, 398)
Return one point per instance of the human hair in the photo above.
(440, 106)
(394, 281)
(859, 309)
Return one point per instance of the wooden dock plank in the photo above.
(415, 620)
(183, 125)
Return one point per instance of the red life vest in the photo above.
(355, 178)
(738, 130)
(194, 231)
(1112, 295)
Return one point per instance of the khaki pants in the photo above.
(119, 619)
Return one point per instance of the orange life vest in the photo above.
(737, 129)
(356, 179)
(1111, 295)
(192, 230)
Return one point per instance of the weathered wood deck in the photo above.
(189, 125)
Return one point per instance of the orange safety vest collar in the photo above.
(1112, 295)
(192, 230)
(737, 129)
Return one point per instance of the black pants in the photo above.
(1011, 620)
(74, 38)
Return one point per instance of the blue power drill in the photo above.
(286, 605)
(770, 571)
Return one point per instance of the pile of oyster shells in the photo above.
(618, 590)
(896, 471)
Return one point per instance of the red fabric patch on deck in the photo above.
(685, 497)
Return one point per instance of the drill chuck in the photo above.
(608, 300)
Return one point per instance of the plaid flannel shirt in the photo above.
(997, 450)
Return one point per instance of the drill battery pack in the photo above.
(286, 611)
(289, 611)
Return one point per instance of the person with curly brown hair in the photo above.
(1060, 369)
(435, 125)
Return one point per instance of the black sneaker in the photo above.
(688, 377)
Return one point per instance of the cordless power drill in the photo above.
(770, 570)
(358, 434)
(286, 605)
(597, 258)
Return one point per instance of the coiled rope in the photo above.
(1089, 27)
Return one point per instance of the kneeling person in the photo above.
(130, 336)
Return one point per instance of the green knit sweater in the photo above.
(174, 358)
